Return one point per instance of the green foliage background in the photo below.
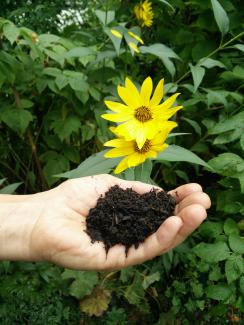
(52, 85)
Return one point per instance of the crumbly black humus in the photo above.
(128, 218)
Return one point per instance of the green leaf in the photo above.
(211, 229)
(94, 165)
(149, 279)
(134, 293)
(239, 47)
(177, 153)
(230, 227)
(65, 127)
(194, 124)
(221, 17)
(212, 253)
(211, 63)
(242, 285)
(83, 283)
(127, 274)
(17, 119)
(115, 40)
(242, 141)
(197, 75)
(79, 52)
(11, 32)
(10, 189)
(53, 72)
(218, 292)
(230, 123)
(61, 81)
(106, 17)
(236, 243)
(143, 171)
(234, 267)
(168, 4)
(164, 53)
(227, 164)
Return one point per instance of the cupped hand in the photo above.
(58, 233)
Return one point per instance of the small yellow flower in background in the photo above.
(136, 37)
(142, 114)
(134, 155)
(144, 14)
(134, 47)
(116, 33)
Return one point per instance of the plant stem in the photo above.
(221, 47)
(32, 144)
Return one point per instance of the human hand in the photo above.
(57, 220)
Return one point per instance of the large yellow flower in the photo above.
(133, 154)
(143, 115)
(144, 13)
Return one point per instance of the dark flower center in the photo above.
(143, 114)
(146, 147)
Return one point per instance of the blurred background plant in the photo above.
(58, 61)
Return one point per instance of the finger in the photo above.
(192, 216)
(194, 198)
(183, 191)
(137, 186)
(157, 243)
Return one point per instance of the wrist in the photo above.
(17, 220)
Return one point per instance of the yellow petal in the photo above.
(136, 159)
(152, 153)
(116, 107)
(116, 33)
(134, 47)
(121, 166)
(169, 102)
(128, 130)
(166, 128)
(118, 143)
(158, 94)
(160, 148)
(130, 86)
(151, 128)
(128, 97)
(165, 115)
(146, 91)
(116, 117)
(136, 37)
(140, 137)
(118, 152)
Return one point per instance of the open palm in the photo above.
(59, 236)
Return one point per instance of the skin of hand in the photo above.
(49, 226)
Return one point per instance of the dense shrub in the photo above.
(51, 99)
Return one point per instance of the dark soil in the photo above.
(128, 218)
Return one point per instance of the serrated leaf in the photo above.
(212, 253)
(135, 293)
(197, 75)
(230, 227)
(17, 119)
(227, 164)
(11, 32)
(218, 292)
(83, 284)
(221, 17)
(126, 274)
(61, 81)
(94, 165)
(65, 127)
(149, 279)
(177, 153)
(234, 267)
(232, 123)
(211, 229)
(96, 303)
(236, 243)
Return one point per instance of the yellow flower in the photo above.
(136, 37)
(143, 115)
(133, 155)
(144, 13)
(134, 47)
(116, 33)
